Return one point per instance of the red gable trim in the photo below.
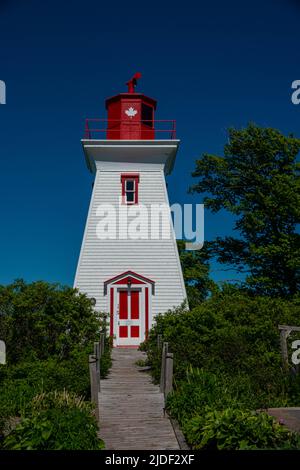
(124, 277)
(125, 280)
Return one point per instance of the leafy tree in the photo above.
(258, 181)
(42, 320)
(195, 268)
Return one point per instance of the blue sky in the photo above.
(210, 65)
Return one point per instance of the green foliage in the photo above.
(26, 379)
(195, 269)
(49, 332)
(230, 332)
(234, 429)
(58, 421)
(142, 363)
(201, 388)
(258, 181)
(226, 355)
(42, 320)
(55, 399)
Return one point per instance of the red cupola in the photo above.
(130, 116)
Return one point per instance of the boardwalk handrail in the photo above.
(166, 371)
(94, 380)
(95, 372)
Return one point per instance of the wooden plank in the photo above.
(288, 327)
(289, 417)
(132, 408)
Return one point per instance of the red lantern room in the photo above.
(130, 116)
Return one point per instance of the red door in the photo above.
(135, 313)
(129, 317)
(123, 314)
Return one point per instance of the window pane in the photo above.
(147, 115)
(129, 185)
(129, 197)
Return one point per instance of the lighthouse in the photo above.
(129, 261)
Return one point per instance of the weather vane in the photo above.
(133, 82)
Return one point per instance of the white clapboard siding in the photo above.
(101, 260)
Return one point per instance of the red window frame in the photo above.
(135, 177)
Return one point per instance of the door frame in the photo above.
(129, 341)
(146, 288)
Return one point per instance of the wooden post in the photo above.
(94, 384)
(159, 341)
(104, 328)
(284, 350)
(102, 343)
(169, 374)
(97, 354)
(163, 366)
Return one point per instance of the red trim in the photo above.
(111, 311)
(130, 176)
(131, 279)
(111, 129)
(136, 194)
(128, 273)
(146, 312)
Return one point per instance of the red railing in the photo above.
(157, 129)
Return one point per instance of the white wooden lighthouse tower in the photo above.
(132, 278)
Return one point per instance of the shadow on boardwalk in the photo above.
(131, 407)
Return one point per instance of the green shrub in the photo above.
(49, 332)
(71, 429)
(203, 388)
(25, 380)
(62, 399)
(42, 320)
(58, 421)
(234, 429)
(15, 397)
(20, 383)
(226, 355)
(231, 333)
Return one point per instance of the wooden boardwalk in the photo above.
(290, 417)
(131, 407)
